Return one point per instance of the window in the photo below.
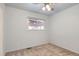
(35, 23)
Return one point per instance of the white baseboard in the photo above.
(66, 48)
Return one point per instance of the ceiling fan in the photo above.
(47, 6)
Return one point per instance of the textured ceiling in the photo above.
(37, 7)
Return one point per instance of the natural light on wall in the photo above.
(35, 23)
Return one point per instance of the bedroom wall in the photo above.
(1, 28)
(16, 34)
(64, 28)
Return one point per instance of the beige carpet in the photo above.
(43, 50)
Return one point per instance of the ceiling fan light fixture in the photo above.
(43, 8)
(47, 6)
(49, 9)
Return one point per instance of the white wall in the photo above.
(16, 34)
(64, 28)
(1, 28)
